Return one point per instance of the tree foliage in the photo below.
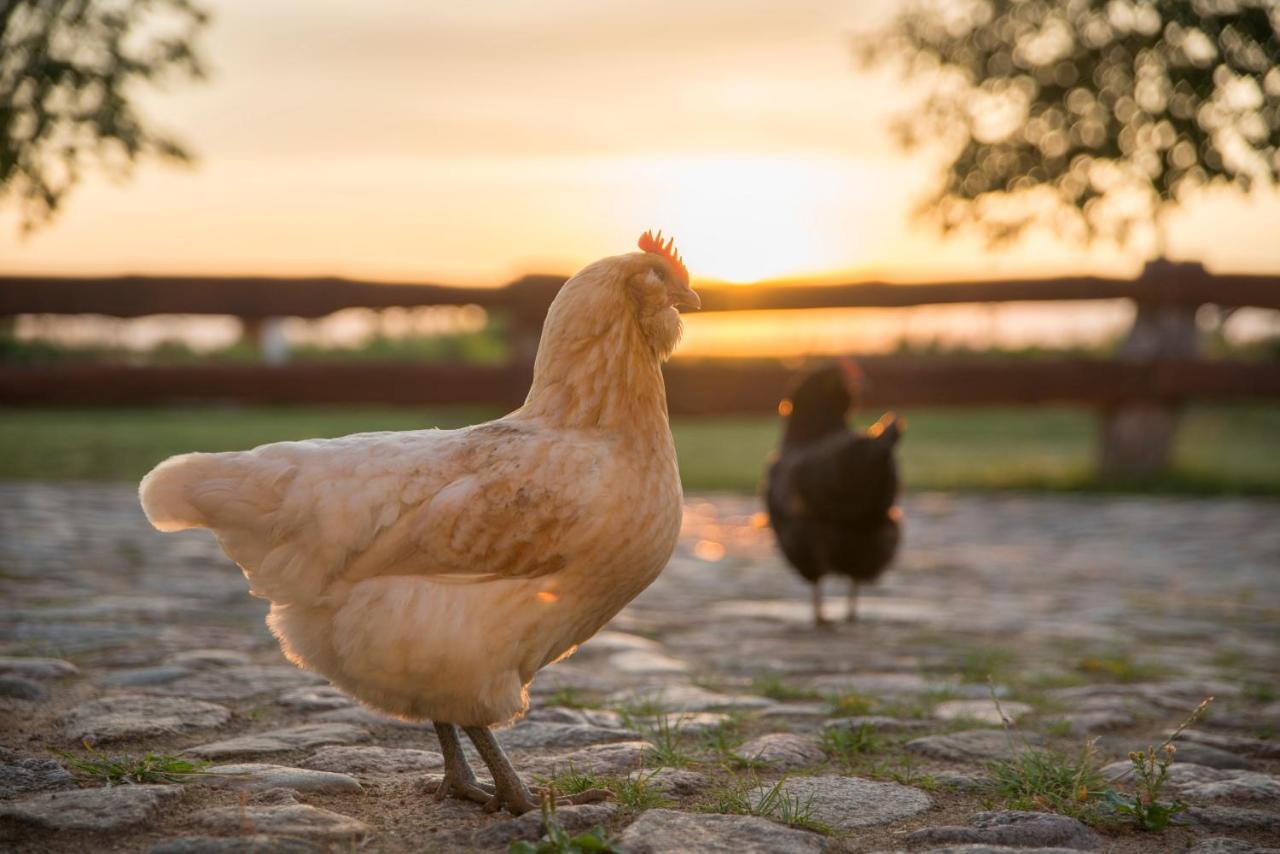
(1088, 116)
(68, 76)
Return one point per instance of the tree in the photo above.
(1087, 116)
(68, 71)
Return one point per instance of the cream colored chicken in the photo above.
(431, 574)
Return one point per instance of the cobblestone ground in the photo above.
(1095, 618)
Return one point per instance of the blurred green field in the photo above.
(1222, 449)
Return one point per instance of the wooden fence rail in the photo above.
(1138, 394)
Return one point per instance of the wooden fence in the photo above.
(1138, 393)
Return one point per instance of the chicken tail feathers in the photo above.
(232, 491)
(166, 492)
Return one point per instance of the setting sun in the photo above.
(759, 217)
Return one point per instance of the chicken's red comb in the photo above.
(655, 245)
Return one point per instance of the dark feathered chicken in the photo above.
(831, 491)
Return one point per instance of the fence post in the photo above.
(1138, 436)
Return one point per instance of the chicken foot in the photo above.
(459, 780)
(509, 790)
(851, 603)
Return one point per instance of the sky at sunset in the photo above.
(473, 142)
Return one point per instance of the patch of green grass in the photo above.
(1150, 771)
(635, 792)
(749, 797)
(1048, 780)
(723, 738)
(902, 770)
(847, 744)
(570, 698)
(771, 686)
(850, 705)
(1119, 667)
(636, 713)
(133, 770)
(1262, 692)
(669, 750)
(571, 782)
(976, 664)
(1220, 449)
(1060, 728)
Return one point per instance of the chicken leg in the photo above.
(459, 780)
(509, 790)
(851, 605)
(819, 621)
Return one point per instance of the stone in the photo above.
(575, 819)
(370, 759)
(1180, 773)
(237, 682)
(640, 662)
(677, 782)
(1013, 828)
(254, 844)
(1213, 757)
(688, 723)
(22, 688)
(1227, 845)
(874, 684)
(974, 745)
(36, 668)
(196, 659)
(284, 819)
(144, 676)
(280, 740)
(583, 717)
(256, 777)
(130, 716)
(797, 709)
(876, 723)
(782, 750)
(964, 782)
(1087, 723)
(92, 809)
(614, 758)
(312, 698)
(984, 711)
(1220, 818)
(610, 642)
(685, 698)
(844, 803)
(1243, 745)
(527, 734)
(663, 831)
(1242, 786)
(32, 775)
(992, 849)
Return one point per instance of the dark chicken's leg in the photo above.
(851, 605)
(459, 780)
(819, 621)
(509, 790)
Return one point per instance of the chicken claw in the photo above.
(509, 790)
(459, 780)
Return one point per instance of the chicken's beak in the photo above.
(682, 294)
